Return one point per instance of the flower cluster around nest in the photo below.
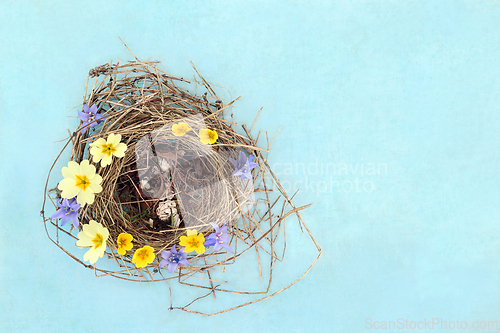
(81, 183)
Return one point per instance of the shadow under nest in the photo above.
(166, 184)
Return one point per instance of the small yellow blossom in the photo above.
(143, 256)
(104, 150)
(180, 129)
(80, 181)
(207, 136)
(94, 235)
(124, 242)
(193, 242)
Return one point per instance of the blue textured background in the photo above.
(410, 86)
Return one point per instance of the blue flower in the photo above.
(90, 116)
(68, 211)
(243, 166)
(173, 258)
(218, 239)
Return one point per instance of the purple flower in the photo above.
(243, 166)
(218, 239)
(90, 116)
(68, 211)
(173, 258)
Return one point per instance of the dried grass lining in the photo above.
(137, 98)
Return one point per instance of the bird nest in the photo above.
(167, 184)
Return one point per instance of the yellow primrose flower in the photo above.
(193, 242)
(104, 150)
(180, 129)
(208, 136)
(95, 236)
(80, 181)
(143, 256)
(124, 242)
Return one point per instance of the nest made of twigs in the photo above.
(166, 184)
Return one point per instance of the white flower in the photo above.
(95, 236)
(103, 150)
(80, 181)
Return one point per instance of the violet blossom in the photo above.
(243, 166)
(173, 258)
(90, 116)
(218, 239)
(68, 211)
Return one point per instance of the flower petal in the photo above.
(92, 109)
(64, 220)
(183, 240)
(97, 154)
(210, 241)
(68, 188)
(191, 232)
(114, 139)
(165, 254)
(96, 180)
(90, 229)
(184, 262)
(103, 231)
(87, 169)
(99, 118)
(96, 187)
(91, 256)
(83, 115)
(217, 247)
(74, 220)
(101, 249)
(85, 197)
(251, 163)
(171, 267)
(203, 134)
(58, 214)
(95, 225)
(214, 136)
(227, 247)
(97, 143)
(242, 158)
(70, 171)
(120, 149)
(106, 160)
(84, 240)
(200, 249)
(73, 204)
